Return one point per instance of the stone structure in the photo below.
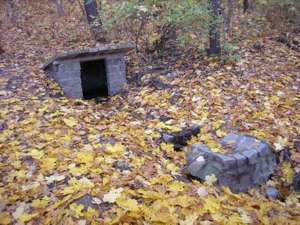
(90, 73)
(249, 165)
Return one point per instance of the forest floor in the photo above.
(61, 159)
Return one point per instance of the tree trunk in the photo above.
(246, 5)
(1, 28)
(59, 7)
(10, 14)
(228, 17)
(215, 27)
(91, 9)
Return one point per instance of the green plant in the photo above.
(150, 22)
(230, 53)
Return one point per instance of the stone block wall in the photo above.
(68, 76)
(116, 74)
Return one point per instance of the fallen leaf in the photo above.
(54, 178)
(128, 204)
(112, 195)
(71, 121)
(5, 218)
(36, 154)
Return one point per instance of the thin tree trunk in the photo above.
(10, 14)
(246, 5)
(59, 7)
(215, 27)
(91, 9)
(228, 17)
(1, 28)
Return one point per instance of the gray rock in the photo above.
(197, 165)
(168, 138)
(230, 140)
(172, 75)
(122, 166)
(250, 165)
(180, 139)
(272, 192)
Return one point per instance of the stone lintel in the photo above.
(83, 54)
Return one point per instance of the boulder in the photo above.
(249, 165)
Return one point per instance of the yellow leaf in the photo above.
(183, 201)
(105, 180)
(49, 164)
(217, 124)
(220, 133)
(176, 186)
(162, 179)
(159, 214)
(90, 212)
(17, 164)
(77, 209)
(76, 185)
(71, 121)
(169, 148)
(36, 154)
(5, 218)
(212, 205)
(234, 219)
(77, 170)
(172, 167)
(27, 217)
(167, 127)
(150, 195)
(85, 157)
(189, 220)
(128, 204)
(39, 203)
(117, 149)
(20, 174)
(288, 172)
(48, 137)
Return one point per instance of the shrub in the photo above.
(152, 23)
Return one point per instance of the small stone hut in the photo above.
(90, 73)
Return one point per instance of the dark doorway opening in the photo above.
(93, 79)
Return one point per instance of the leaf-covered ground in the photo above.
(67, 161)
